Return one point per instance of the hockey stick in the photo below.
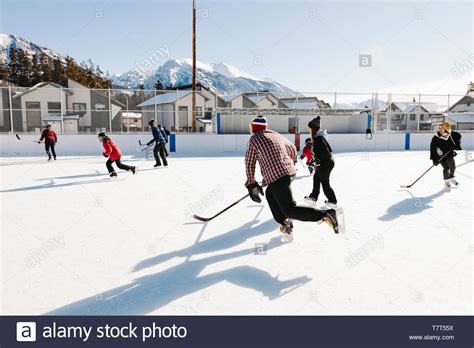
(408, 186)
(203, 219)
(34, 141)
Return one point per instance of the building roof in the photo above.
(463, 100)
(256, 99)
(458, 117)
(136, 115)
(41, 85)
(407, 107)
(167, 98)
(59, 117)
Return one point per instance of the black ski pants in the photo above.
(118, 163)
(159, 151)
(49, 144)
(321, 178)
(449, 167)
(281, 202)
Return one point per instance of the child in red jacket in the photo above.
(112, 151)
(50, 140)
(308, 153)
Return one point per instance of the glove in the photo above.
(301, 157)
(149, 143)
(39, 142)
(254, 191)
(439, 152)
(435, 163)
(103, 153)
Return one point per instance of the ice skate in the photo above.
(454, 182)
(287, 229)
(447, 183)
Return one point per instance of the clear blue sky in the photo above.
(306, 45)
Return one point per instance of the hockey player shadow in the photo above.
(224, 241)
(52, 185)
(151, 292)
(411, 206)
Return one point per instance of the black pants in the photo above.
(449, 167)
(159, 149)
(321, 178)
(281, 202)
(49, 144)
(118, 163)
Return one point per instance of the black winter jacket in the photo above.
(445, 144)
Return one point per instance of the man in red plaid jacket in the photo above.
(277, 157)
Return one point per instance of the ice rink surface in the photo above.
(74, 241)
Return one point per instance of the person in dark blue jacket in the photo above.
(160, 144)
(165, 135)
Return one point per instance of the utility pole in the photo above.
(193, 129)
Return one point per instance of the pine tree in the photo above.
(25, 72)
(158, 85)
(72, 70)
(4, 73)
(35, 70)
(13, 66)
(58, 74)
(45, 67)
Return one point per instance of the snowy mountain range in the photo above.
(7, 41)
(221, 77)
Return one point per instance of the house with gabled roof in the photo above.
(173, 109)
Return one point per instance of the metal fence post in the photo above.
(154, 102)
(389, 114)
(11, 108)
(418, 113)
(62, 108)
(110, 113)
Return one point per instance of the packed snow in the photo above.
(75, 241)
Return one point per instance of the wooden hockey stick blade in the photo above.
(203, 219)
(17, 136)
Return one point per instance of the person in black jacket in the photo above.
(442, 151)
(324, 163)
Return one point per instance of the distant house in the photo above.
(461, 121)
(76, 108)
(239, 101)
(214, 100)
(173, 109)
(5, 115)
(266, 100)
(407, 115)
(465, 104)
(132, 121)
(306, 103)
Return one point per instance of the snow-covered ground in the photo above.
(75, 241)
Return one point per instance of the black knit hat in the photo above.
(48, 126)
(315, 122)
(307, 140)
(101, 135)
(151, 122)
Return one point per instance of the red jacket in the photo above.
(49, 134)
(308, 153)
(111, 150)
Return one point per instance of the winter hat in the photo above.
(101, 135)
(151, 123)
(315, 123)
(48, 126)
(259, 124)
(307, 141)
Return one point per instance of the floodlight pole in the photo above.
(193, 129)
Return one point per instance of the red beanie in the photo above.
(259, 124)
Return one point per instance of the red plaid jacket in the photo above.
(276, 156)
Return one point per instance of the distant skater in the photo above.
(444, 143)
(160, 145)
(276, 156)
(308, 154)
(114, 154)
(324, 162)
(50, 140)
(165, 134)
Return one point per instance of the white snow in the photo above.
(76, 242)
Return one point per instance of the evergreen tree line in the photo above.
(26, 71)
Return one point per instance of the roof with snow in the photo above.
(165, 98)
(461, 117)
(407, 107)
(256, 98)
(41, 85)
